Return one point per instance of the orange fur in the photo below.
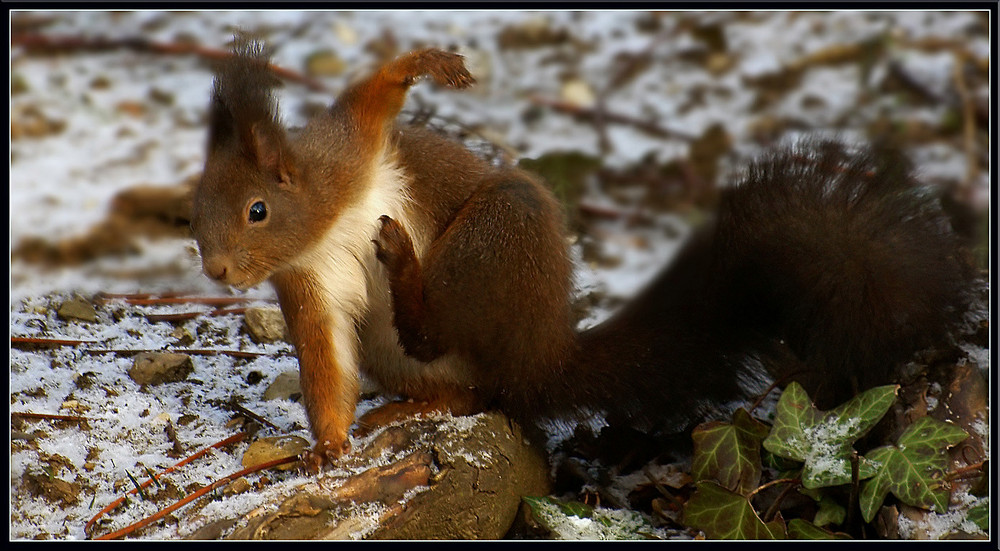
(375, 101)
(329, 397)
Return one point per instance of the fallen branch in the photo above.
(210, 301)
(603, 116)
(193, 496)
(48, 342)
(975, 469)
(379, 483)
(246, 412)
(41, 43)
(793, 481)
(222, 443)
(182, 316)
(104, 296)
(130, 352)
(190, 351)
(968, 108)
(46, 416)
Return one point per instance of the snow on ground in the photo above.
(125, 118)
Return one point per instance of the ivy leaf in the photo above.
(729, 453)
(980, 516)
(913, 469)
(725, 515)
(799, 529)
(829, 512)
(823, 440)
(573, 520)
(785, 468)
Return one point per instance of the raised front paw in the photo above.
(393, 248)
(324, 453)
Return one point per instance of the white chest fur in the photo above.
(355, 288)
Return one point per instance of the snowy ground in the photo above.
(123, 118)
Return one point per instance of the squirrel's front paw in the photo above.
(393, 248)
(324, 453)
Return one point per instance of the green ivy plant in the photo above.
(913, 469)
(575, 520)
(814, 450)
(823, 440)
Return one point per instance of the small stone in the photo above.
(265, 325)
(153, 368)
(325, 64)
(718, 63)
(285, 387)
(183, 336)
(577, 92)
(31, 122)
(53, 489)
(161, 96)
(100, 82)
(274, 447)
(131, 108)
(77, 308)
(18, 85)
(237, 486)
(345, 34)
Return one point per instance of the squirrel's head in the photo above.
(263, 200)
(250, 208)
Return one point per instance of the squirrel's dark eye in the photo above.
(258, 212)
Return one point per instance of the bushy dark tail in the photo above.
(835, 266)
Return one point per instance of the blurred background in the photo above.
(636, 118)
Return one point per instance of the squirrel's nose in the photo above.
(215, 268)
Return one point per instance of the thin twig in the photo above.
(772, 483)
(48, 342)
(210, 301)
(222, 443)
(130, 352)
(46, 416)
(244, 411)
(190, 351)
(182, 316)
(589, 114)
(38, 42)
(105, 296)
(660, 487)
(968, 121)
(776, 506)
(961, 472)
(195, 495)
(852, 502)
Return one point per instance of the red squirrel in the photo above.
(448, 280)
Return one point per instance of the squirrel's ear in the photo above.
(266, 143)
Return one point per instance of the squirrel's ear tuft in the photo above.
(246, 46)
(243, 97)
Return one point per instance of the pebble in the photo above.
(270, 448)
(153, 368)
(265, 325)
(284, 387)
(77, 308)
